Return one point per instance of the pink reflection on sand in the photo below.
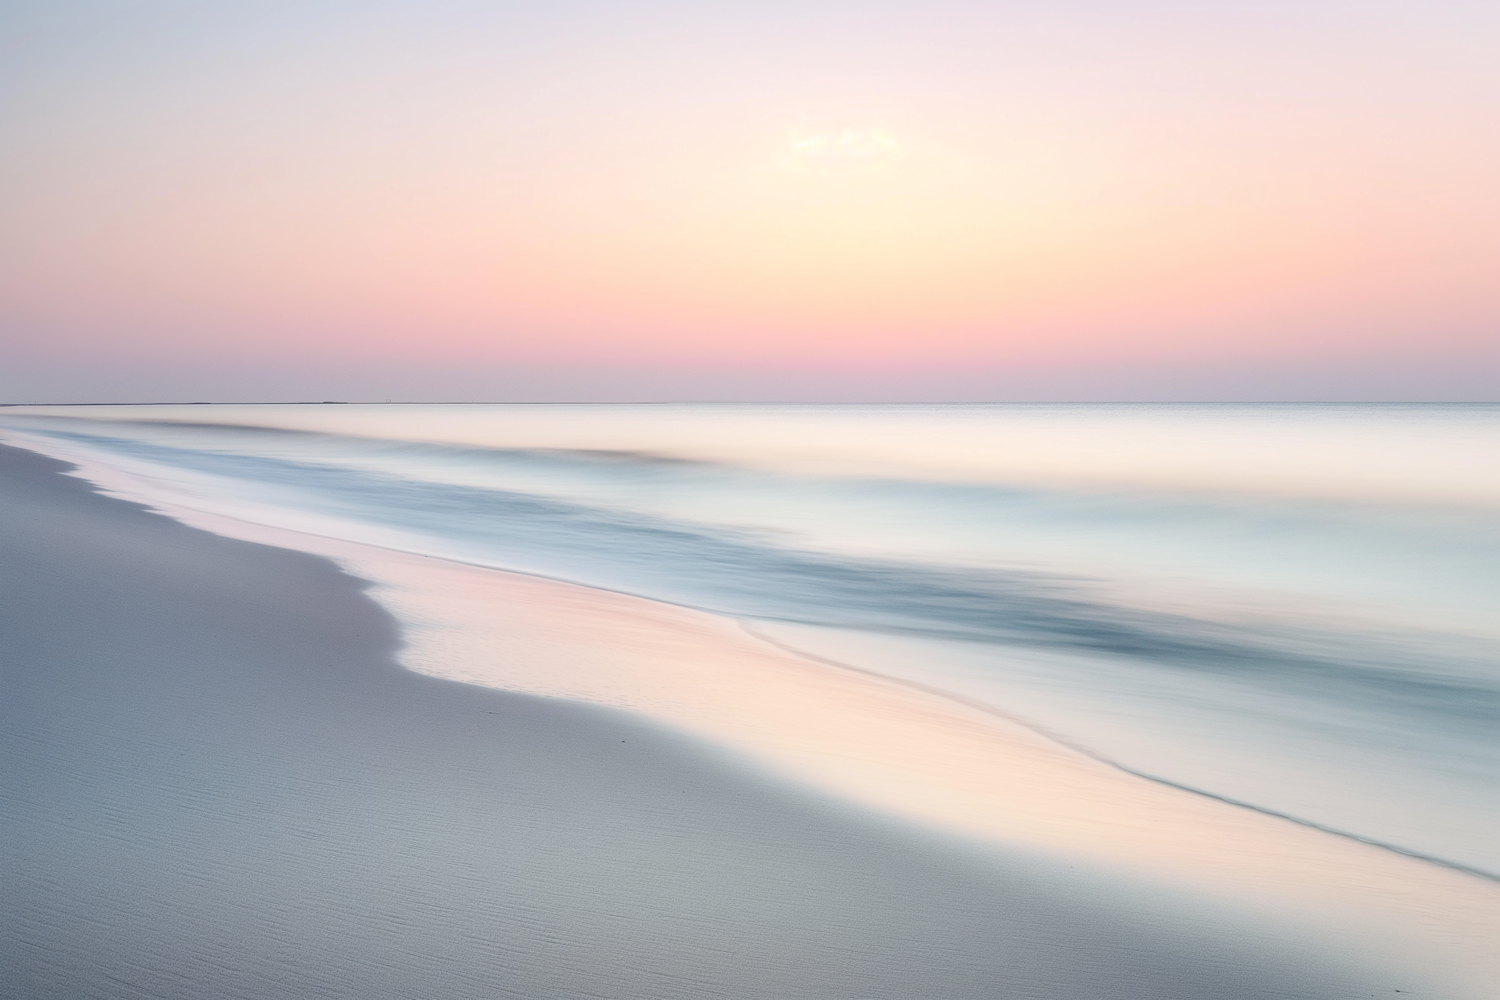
(917, 754)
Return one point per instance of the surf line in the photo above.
(1069, 744)
(166, 509)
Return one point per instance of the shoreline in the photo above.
(568, 622)
(758, 631)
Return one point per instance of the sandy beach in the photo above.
(221, 782)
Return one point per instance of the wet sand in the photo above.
(218, 781)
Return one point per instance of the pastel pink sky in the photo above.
(449, 200)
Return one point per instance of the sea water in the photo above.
(1289, 607)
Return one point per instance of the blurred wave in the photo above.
(1323, 658)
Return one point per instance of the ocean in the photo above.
(1290, 607)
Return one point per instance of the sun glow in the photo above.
(848, 150)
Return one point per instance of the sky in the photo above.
(589, 200)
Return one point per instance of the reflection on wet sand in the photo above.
(923, 756)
